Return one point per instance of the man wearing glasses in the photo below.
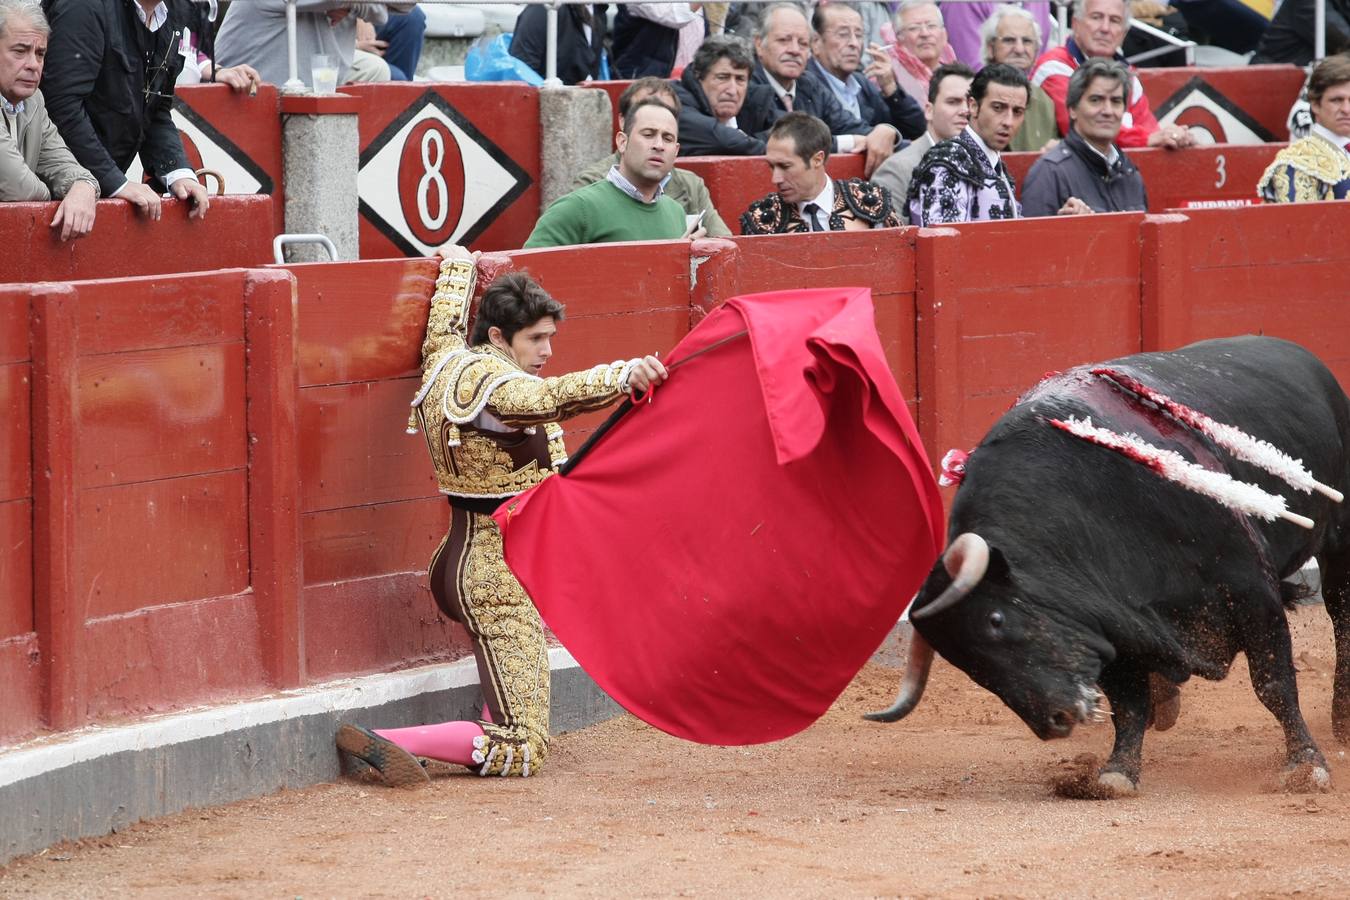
(1012, 36)
(111, 68)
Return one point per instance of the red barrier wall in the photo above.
(237, 231)
(20, 703)
(1002, 303)
(1282, 270)
(1244, 105)
(423, 146)
(235, 134)
(229, 503)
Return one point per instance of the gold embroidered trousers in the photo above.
(473, 585)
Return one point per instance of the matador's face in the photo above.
(530, 347)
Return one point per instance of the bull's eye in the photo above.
(996, 620)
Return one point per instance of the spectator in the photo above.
(581, 40)
(647, 37)
(398, 42)
(34, 162)
(836, 49)
(683, 186)
(947, 112)
(966, 22)
(920, 47)
(1099, 27)
(1289, 36)
(198, 66)
(721, 112)
(1011, 36)
(1086, 172)
(805, 198)
(630, 204)
(783, 45)
(1318, 166)
(963, 179)
(111, 67)
(255, 33)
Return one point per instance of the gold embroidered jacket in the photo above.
(492, 427)
(1309, 169)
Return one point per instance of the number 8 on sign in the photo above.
(431, 182)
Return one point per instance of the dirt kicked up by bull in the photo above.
(1128, 525)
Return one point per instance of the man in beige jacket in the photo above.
(35, 163)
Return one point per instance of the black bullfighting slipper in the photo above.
(396, 766)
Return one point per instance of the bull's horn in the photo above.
(966, 561)
(911, 688)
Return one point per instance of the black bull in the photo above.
(1072, 567)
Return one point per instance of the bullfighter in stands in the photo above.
(806, 198)
(1318, 166)
(491, 424)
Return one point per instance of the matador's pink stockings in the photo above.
(450, 742)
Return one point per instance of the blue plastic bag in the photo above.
(492, 61)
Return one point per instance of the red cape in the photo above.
(726, 557)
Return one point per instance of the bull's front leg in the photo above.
(1127, 688)
(1270, 659)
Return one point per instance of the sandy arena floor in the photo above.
(953, 802)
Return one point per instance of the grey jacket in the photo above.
(684, 187)
(896, 171)
(35, 163)
(1072, 169)
(255, 33)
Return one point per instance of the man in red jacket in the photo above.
(1099, 28)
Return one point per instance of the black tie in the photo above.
(811, 209)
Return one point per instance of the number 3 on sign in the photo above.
(432, 179)
(1220, 171)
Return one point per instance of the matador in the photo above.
(491, 424)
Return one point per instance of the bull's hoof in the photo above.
(1084, 782)
(1165, 703)
(1306, 778)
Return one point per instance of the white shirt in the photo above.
(615, 177)
(11, 109)
(1109, 157)
(824, 200)
(1321, 131)
(993, 156)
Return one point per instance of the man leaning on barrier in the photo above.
(1086, 172)
(1317, 167)
(684, 187)
(111, 67)
(490, 419)
(630, 204)
(34, 162)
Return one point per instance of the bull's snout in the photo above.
(1061, 723)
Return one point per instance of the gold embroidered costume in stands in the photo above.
(1312, 168)
(492, 431)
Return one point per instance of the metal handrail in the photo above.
(285, 240)
(1175, 42)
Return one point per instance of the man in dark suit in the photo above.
(721, 112)
(111, 66)
(836, 57)
(783, 45)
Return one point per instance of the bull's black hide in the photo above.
(1103, 573)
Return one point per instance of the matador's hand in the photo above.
(647, 372)
(455, 251)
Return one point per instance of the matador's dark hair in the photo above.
(513, 301)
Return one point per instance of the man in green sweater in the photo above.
(684, 187)
(630, 204)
